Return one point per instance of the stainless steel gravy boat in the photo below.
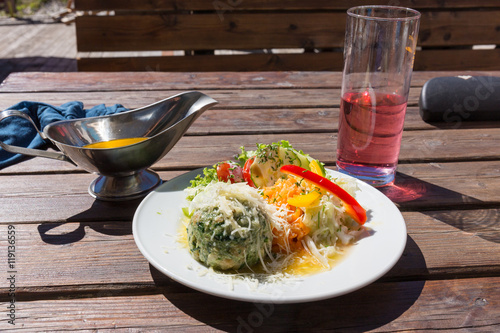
(123, 173)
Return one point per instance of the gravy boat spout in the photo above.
(94, 143)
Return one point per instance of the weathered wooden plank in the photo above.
(150, 81)
(173, 5)
(242, 31)
(236, 99)
(44, 40)
(282, 123)
(153, 80)
(417, 146)
(207, 31)
(470, 304)
(198, 151)
(294, 121)
(59, 201)
(445, 185)
(13, 44)
(227, 98)
(32, 41)
(323, 61)
(417, 187)
(63, 254)
(446, 60)
(303, 121)
(442, 28)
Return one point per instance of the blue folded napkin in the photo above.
(17, 131)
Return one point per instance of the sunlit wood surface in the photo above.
(78, 267)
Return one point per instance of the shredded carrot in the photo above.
(289, 238)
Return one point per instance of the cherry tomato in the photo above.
(246, 172)
(229, 171)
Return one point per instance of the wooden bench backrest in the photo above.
(195, 28)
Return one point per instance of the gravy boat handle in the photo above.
(29, 151)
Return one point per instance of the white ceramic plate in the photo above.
(157, 222)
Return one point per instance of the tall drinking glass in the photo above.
(380, 44)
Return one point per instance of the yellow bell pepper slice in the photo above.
(316, 168)
(352, 207)
(304, 200)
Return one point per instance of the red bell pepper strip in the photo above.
(247, 176)
(353, 208)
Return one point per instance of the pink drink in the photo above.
(370, 129)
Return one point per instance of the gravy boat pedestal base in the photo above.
(131, 187)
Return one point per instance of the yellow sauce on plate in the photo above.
(303, 263)
(115, 143)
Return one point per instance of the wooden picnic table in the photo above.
(77, 267)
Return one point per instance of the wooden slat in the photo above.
(305, 122)
(318, 110)
(207, 31)
(227, 98)
(324, 61)
(446, 60)
(12, 43)
(78, 252)
(150, 81)
(260, 31)
(441, 28)
(173, 5)
(286, 121)
(425, 186)
(27, 40)
(238, 99)
(90, 81)
(301, 121)
(417, 187)
(447, 305)
(416, 146)
(280, 122)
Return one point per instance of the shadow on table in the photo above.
(114, 219)
(366, 309)
(36, 64)
(467, 213)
